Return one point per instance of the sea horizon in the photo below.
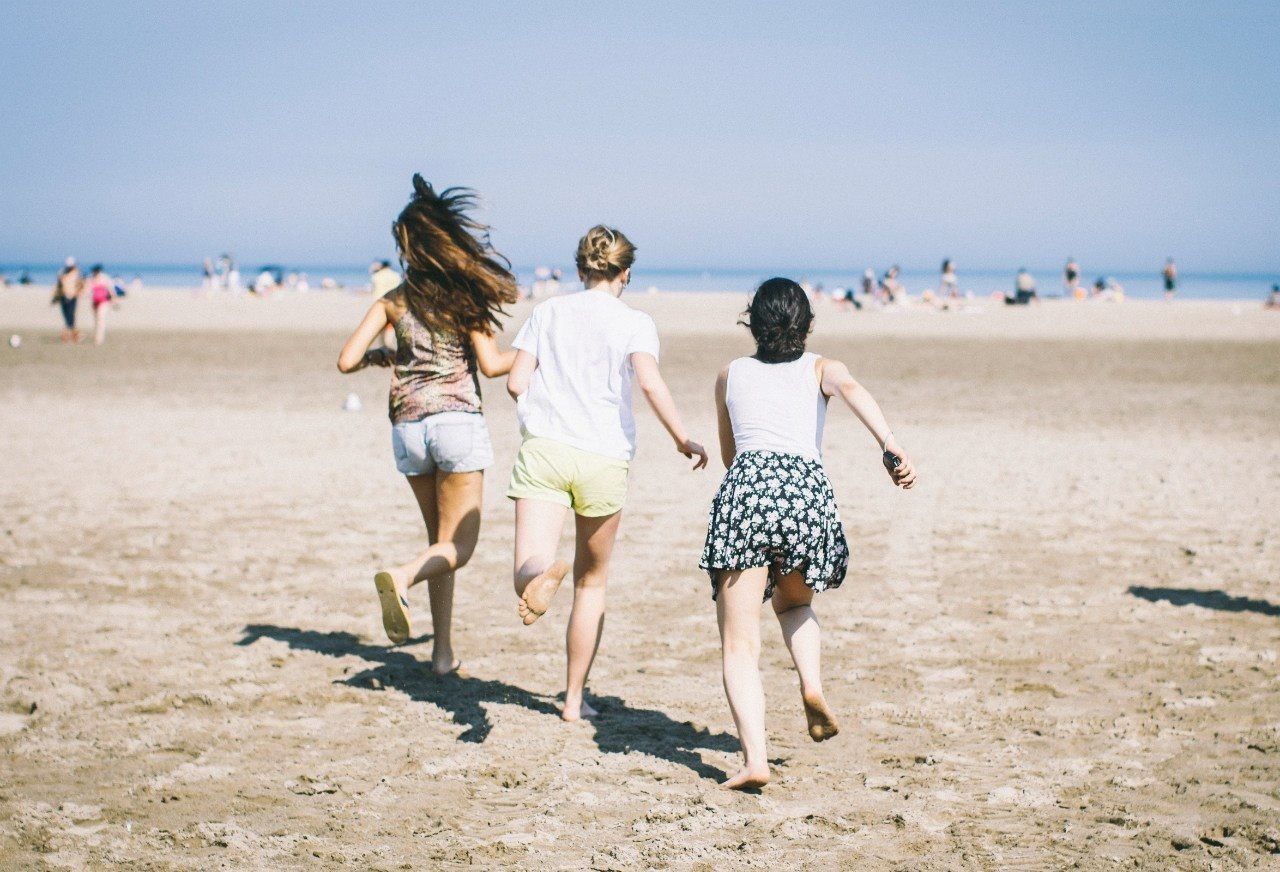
(1139, 284)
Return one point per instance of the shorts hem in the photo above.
(595, 514)
(557, 497)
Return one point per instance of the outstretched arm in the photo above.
(491, 359)
(728, 446)
(837, 381)
(356, 354)
(645, 366)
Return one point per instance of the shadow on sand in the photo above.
(620, 729)
(1209, 599)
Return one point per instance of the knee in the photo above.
(462, 556)
(782, 605)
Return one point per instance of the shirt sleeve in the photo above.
(645, 338)
(530, 333)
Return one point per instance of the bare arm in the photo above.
(355, 354)
(491, 359)
(521, 373)
(655, 390)
(836, 380)
(728, 447)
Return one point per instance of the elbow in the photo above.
(345, 366)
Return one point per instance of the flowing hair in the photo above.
(454, 282)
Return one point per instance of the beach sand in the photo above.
(1059, 650)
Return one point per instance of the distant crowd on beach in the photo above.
(889, 290)
(223, 275)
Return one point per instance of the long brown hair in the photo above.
(453, 279)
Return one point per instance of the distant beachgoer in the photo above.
(1170, 278)
(265, 283)
(869, 283)
(209, 278)
(950, 286)
(1024, 289)
(1099, 287)
(577, 358)
(890, 286)
(382, 278)
(1273, 299)
(774, 530)
(102, 294)
(66, 294)
(445, 320)
(1071, 279)
(24, 278)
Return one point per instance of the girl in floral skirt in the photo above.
(774, 531)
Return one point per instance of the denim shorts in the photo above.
(448, 442)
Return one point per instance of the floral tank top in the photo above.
(433, 372)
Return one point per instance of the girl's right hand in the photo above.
(379, 357)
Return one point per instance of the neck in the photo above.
(613, 288)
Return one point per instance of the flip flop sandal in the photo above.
(395, 609)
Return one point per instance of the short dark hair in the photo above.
(779, 318)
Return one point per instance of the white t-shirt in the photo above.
(581, 391)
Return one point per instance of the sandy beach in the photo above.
(1058, 651)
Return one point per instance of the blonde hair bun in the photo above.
(605, 253)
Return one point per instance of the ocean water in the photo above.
(1140, 285)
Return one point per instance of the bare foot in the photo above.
(748, 778)
(822, 723)
(574, 713)
(446, 666)
(395, 608)
(538, 594)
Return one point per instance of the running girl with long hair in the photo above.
(444, 315)
(577, 358)
(775, 530)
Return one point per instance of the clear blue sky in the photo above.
(721, 135)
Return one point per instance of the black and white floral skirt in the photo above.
(776, 510)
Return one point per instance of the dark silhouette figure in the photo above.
(618, 730)
(1209, 599)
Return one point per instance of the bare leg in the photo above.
(457, 502)
(595, 538)
(537, 573)
(792, 602)
(100, 323)
(450, 506)
(738, 612)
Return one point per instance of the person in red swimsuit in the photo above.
(101, 291)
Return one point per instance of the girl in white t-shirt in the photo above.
(577, 357)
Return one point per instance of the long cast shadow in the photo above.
(619, 729)
(1209, 599)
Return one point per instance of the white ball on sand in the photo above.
(352, 403)
(15, 340)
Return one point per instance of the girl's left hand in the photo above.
(904, 476)
(692, 449)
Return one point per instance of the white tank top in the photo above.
(776, 406)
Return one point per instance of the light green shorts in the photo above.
(591, 484)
